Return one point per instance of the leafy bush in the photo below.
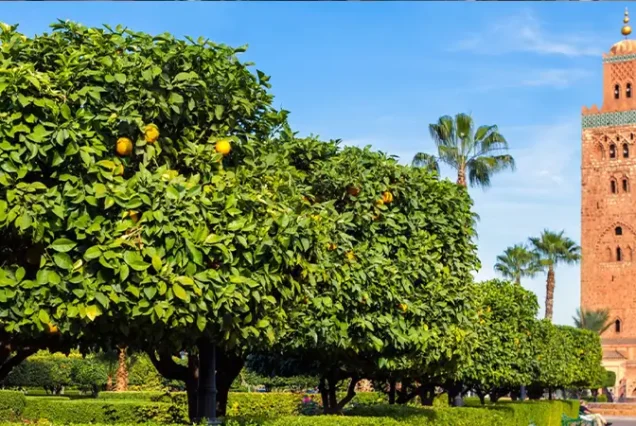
(99, 411)
(11, 404)
(143, 376)
(90, 375)
(139, 395)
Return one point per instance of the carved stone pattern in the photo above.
(622, 72)
(618, 59)
(609, 119)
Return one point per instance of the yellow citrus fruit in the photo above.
(151, 133)
(404, 307)
(379, 202)
(350, 255)
(387, 197)
(53, 328)
(223, 147)
(124, 146)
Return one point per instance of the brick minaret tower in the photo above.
(608, 210)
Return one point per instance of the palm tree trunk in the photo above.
(549, 293)
(121, 384)
(461, 176)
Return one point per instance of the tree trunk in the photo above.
(482, 398)
(207, 391)
(121, 384)
(427, 395)
(461, 176)
(231, 368)
(328, 388)
(549, 293)
(392, 385)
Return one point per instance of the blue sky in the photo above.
(379, 73)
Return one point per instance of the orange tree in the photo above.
(502, 362)
(142, 203)
(400, 262)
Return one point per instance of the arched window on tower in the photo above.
(617, 326)
(617, 91)
(628, 90)
(618, 230)
(625, 150)
(612, 151)
(619, 254)
(613, 188)
(625, 183)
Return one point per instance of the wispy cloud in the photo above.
(525, 33)
(553, 78)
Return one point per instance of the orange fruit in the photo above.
(387, 197)
(332, 246)
(223, 147)
(124, 147)
(53, 328)
(151, 133)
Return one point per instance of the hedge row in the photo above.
(274, 409)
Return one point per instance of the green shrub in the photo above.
(541, 413)
(138, 395)
(11, 404)
(143, 376)
(100, 411)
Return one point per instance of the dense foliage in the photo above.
(152, 198)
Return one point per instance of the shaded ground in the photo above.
(625, 421)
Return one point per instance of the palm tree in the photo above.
(477, 153)
(596, 321)
(553, 248)
(516, 262)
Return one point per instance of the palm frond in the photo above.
(426, 161)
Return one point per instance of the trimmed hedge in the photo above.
(11, 404)
(98, 411)
(273, 409)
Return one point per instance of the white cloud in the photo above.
(555, 78)
(525, 33)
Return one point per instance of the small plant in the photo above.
(309, 407)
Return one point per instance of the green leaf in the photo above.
(101, 298)
(156, 263)
(175, 98)
(185, 280)
(201, 323)
(44, 318)
(179, 292)
(150, 292)
(135, 261)
(92, 253)
(62, 245)
(66, 111)
(218, 111)
(121, 78)
(63, 260)
(93, 311)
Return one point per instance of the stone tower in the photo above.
(608, 210)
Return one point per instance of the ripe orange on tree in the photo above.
(124, 147)
(151, 133)
(223, 147)
(387, 197)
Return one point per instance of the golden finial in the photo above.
(626, 30)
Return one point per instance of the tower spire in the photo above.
(626, 30)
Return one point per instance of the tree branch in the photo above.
(167, 367)
(351, 392)
(15, 360)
